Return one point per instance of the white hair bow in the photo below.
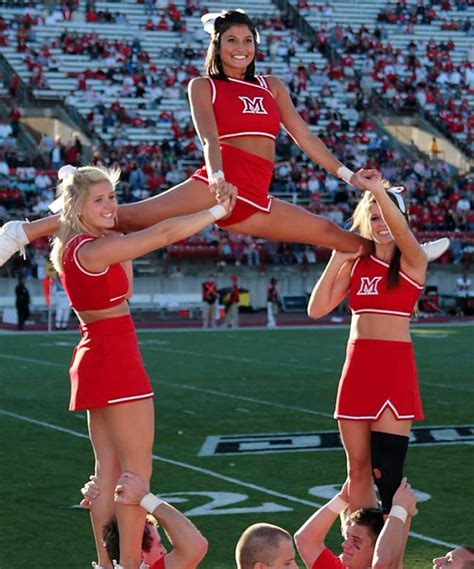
(58, 204)
(396, 191)
(209, 20)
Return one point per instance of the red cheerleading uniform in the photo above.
(327, 560)
(242, 108)
(379, 373)
(368, 292)
(91, 291)
(106, 366)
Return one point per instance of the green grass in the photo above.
(220, 383)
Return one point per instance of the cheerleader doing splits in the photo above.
(378, 396)
(237, 115)
(107, 374)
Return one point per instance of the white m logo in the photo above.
(253, 106)
(369, 286)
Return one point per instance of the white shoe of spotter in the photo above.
(434, 249)
(12, 239)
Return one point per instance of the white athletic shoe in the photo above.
(434, 249)
(12, 239)
(95, 566)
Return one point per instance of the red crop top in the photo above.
(368, 289)
(244, 109)
(91, 291)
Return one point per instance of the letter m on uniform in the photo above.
(369, 286)
(253, 106)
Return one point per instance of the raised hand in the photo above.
(130, 489)
(406, 498)
(223, 191)
(344, 257)
(90, 491)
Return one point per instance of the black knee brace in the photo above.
(388, 457)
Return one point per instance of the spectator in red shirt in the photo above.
(231, 318)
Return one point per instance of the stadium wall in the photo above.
(176, 284)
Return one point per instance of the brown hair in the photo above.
(371, 518)
(111, 538)
(361, 223)
(259, 542)
(74, 189)
(227, 19)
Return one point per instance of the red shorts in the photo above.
(251, 174)
(107, 367)
(378, 374)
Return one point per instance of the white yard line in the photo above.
(214, 474)
(33, 361)
(192, 388)
(244, 398)
(215, 356)
(346, 325)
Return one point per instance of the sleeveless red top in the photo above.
(244, 109)
(91, 291)
(368, 290)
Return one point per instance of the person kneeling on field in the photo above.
(369, 539)
(189, 545)
(262, 546)
(460, 558)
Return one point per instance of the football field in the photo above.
(244, 433)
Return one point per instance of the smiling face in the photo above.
(358, 547)
(99, 210)
(379, 232)
(237, 50)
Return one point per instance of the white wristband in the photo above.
(399, 512)
(217, 211)
(344, 173)
(216, 176)
(337, 504)
(150, 502)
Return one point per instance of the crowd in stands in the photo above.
(103, 16)
(422, 12)
(410, 81)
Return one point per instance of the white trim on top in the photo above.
(71, 240)
(117, 297)
(381, 311)
(411, 281)
(78, 264)
(401, 273)
(357, 261)
(387, 403)
(250, 133)
(213, 89)
(251, 85)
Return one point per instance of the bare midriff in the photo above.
(259, 145)
(89, 316)
(380, 327)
